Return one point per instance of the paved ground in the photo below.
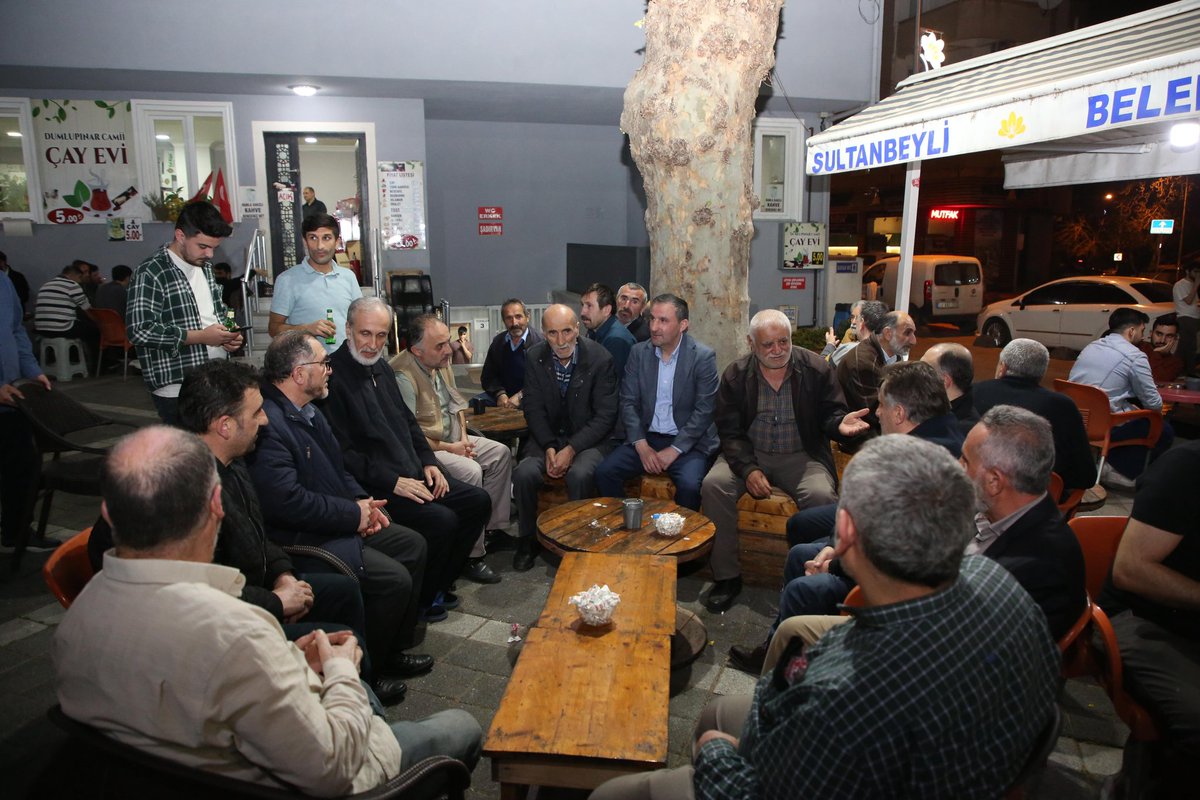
(474, 659)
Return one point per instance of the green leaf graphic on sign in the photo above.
(101, 103)
(36, 110)
(81, 195)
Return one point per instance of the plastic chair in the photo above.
(1098, 538)
(62, 366)
(1112, 678)
(64, 425)
(854, 599)
(68, 568)
(122, 770)
(1068, 505)
(112, 334)
(1099, 419)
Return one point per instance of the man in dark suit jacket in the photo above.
(1022, 364)
(631, 299)
(1008, 456)
(861, 371)
(503, 378)
(668, 396)
(570, 406)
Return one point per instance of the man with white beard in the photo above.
(386, 451)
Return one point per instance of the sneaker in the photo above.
(1115, 480)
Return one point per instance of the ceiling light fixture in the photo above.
(304, 89)
(1185, 135)
(162, 137)
(310, 140)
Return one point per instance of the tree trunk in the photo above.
(688, 112)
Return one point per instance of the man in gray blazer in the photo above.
(668, 396)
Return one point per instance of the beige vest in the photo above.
(429, 406)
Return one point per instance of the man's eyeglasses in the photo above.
(326, 363)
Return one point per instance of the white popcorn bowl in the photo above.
(596, 605)
(669, 524)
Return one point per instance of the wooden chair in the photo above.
(1099, 419)
(112, 334)
(1098, 538)
(115, 769)
(68, 568)
(1067, 505)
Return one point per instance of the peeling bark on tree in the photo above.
(688, 112)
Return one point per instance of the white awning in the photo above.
(1092, 104)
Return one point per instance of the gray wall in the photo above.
(556, 183)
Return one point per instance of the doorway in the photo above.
(333, 165)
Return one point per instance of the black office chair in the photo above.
(62, 425)
(102, 767)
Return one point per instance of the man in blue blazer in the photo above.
(668, 396)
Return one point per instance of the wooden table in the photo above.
(569, 528)
(502, 424)
(585, 704)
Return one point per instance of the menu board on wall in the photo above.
(86, 161)
(402, 204)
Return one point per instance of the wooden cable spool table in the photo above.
(501, 424)
(597, 526)
(585, 704)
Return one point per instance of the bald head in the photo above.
(560, 326)
(954, 365)
(158, 487)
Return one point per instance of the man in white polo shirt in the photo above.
(305, 293)
(174, 315)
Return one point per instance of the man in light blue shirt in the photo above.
(1115, 364)
(668, 396)
(305, 293)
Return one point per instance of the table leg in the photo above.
(513, 791)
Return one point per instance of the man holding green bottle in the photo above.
(313, 295)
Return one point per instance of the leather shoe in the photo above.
(447, 600)
(389, 690)
(406, 665)
(748, 659)
(434, 613)
(496, 540)
(722, 594)
(526, 555)
(477, 570)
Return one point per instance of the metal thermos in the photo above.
(633, 513)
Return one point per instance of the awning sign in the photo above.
(1046, 113)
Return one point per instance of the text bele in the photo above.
(1179, 96)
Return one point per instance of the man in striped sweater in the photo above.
(61, 309)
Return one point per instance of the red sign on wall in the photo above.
(491, 229)
(794, 281)
(491, 212)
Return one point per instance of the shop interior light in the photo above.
(1185, 135)
(162, 137)
(304, 89)
(310, 140)
(14, 134)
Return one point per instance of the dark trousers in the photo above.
(530, 476)
(395, 560)
(1131, 461)
(167, 408)
(809, 594)
(687, 472)
(810, 524)
(450, 526)
(18, 474)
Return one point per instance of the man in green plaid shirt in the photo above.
(175, 314)
(937, 688)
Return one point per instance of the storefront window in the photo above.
(19, 194)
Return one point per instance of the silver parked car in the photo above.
(1071, 312)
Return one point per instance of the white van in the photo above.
(944, 288)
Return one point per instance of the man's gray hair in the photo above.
(284, 352)
(913, 506)
(1019, 444)
(637, 286)
(769, 318)
(156, 485)
(1025, 358)
(872, 313)
(367, 304)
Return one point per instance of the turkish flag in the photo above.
(221, 197)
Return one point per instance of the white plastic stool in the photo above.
(69, 359)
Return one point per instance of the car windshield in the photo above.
(1154, 291)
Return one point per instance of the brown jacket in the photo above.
(429, 406)
(859, 375)
(817, 403)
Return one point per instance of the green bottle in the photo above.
(331, 338)
(230, 320)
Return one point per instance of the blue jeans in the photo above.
(1131, 461)
(452, 732)
(687, 471)
(809, 594)
(811, 524)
